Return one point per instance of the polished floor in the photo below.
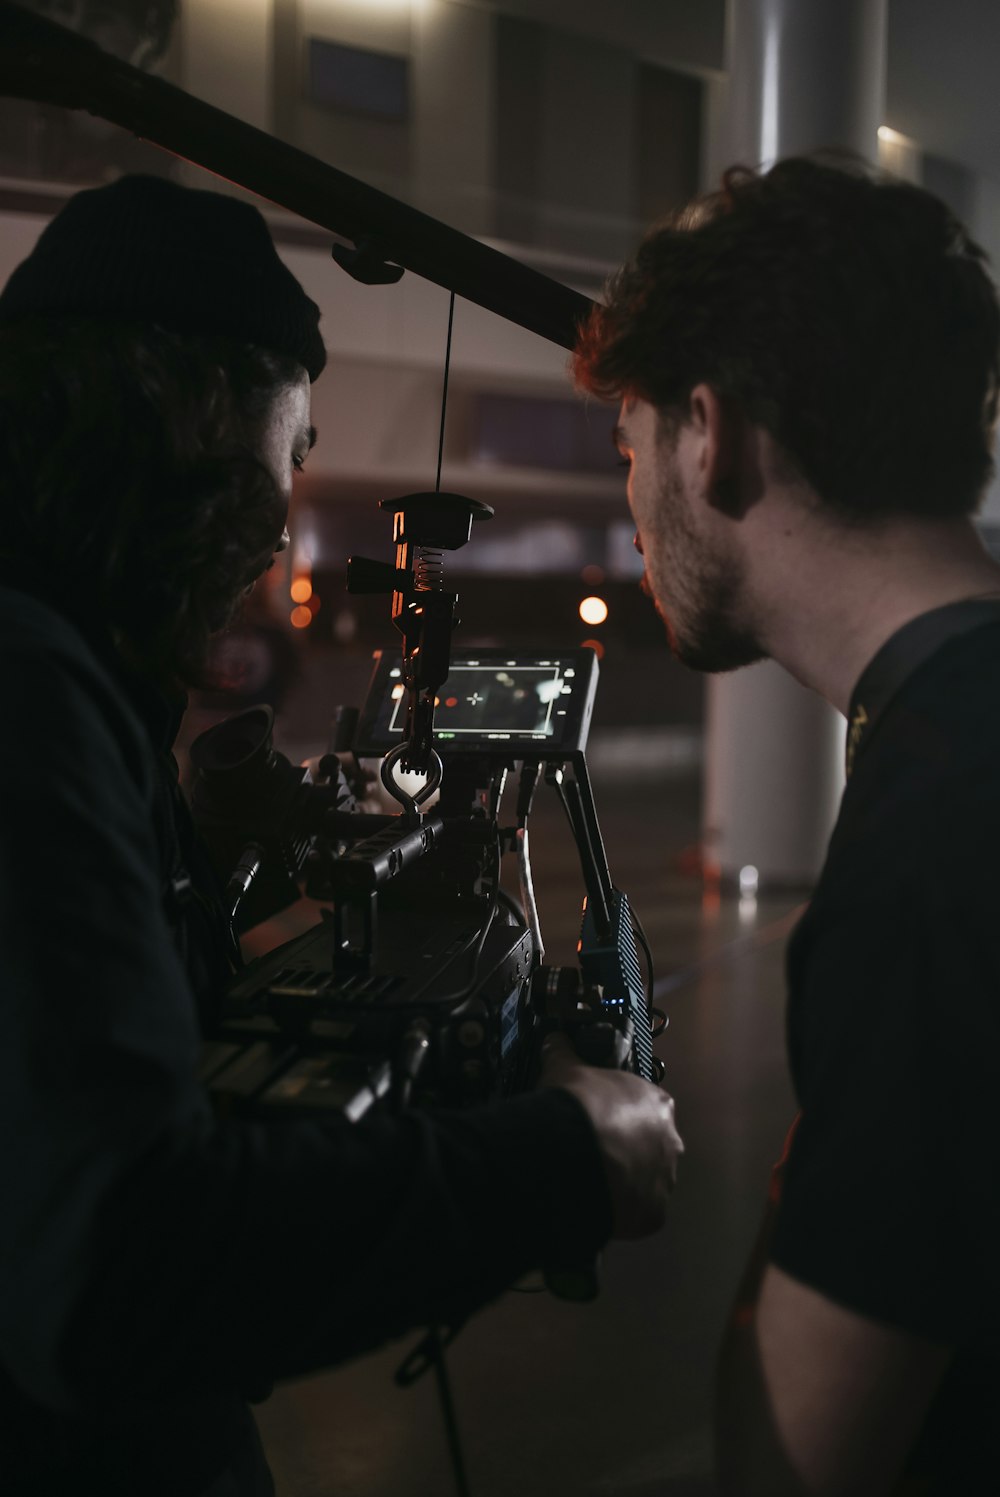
(610, 1399)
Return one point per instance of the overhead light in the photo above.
(893, 137)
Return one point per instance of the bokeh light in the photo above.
(593, 610)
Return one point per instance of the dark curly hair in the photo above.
(848, 314)
(129, 481)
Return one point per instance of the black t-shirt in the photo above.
(156, 1263)
(891, 1200)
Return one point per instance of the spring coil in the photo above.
(428, 569)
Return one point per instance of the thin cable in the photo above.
(430, 1353)
(510, 903)
(444, 392)
(453, 999)
(448, 1413)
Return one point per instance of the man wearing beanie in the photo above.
(161, 1266)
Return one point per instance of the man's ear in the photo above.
(718, 424)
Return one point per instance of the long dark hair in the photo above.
(129, 481)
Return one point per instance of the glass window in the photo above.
(357, 81)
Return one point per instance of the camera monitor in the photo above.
(507, 704)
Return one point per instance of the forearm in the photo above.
(746, 1456)
(816, 1400)
(242, 1253)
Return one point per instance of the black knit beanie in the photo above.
(147, 250)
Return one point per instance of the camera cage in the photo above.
(424, 968)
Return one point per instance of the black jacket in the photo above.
(157, 1264)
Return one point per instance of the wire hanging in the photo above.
(444, 391)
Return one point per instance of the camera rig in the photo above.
(425, 972)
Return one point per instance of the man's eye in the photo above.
(299, 464)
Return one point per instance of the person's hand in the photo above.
(634, 1123)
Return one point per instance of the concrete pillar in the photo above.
(803, 74)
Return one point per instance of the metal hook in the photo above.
(410, 803)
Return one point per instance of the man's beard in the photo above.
(700, 609)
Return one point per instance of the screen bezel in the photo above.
(373, 740)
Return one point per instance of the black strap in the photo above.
(900, 656)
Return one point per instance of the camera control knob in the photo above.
(471, 1034)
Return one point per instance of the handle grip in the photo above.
(606, 1045)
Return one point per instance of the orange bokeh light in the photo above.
(301, 617)
(301, 590)
(595, 645)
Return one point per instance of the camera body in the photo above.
(424, 973)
